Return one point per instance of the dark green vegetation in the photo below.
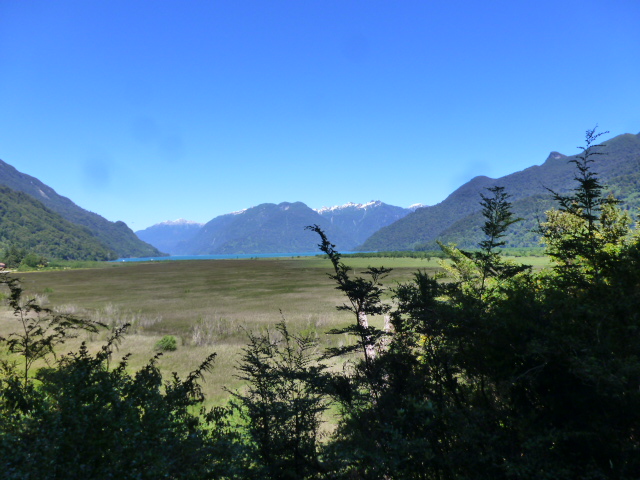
(114, 237)
(495, 372)
(85, 418)
(167, 343)
(27, 225)
(458, 218)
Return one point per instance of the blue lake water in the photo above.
(220, 257)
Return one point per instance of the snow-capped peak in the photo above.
(180, 221)
(239, 212)
(372, 203)
(415, 206)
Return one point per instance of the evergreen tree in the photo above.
(282, 405)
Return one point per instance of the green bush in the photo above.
(167, 344)
(33, 260)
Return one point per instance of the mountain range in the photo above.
(376, 226)
(116, 238)
(35, 217)
(271, 228)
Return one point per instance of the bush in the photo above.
(33, 260)
(167, 344)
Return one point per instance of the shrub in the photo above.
(167, 344)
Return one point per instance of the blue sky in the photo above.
(145, 111)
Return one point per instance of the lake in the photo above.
(220, 257)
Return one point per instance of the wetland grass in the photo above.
(208, 305)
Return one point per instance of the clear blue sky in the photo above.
(145, 111)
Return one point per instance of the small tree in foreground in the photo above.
(364, 299)
(41, 329)
(283, 403)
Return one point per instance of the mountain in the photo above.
(458, 218)
(28, 224)
(166, 236)
(271, 228)
(116, 236)
(362, 220)
(266, 228)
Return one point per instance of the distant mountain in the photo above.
(360, 221)
(166, 236)
(271, 228)
(458, 217)
(114, 235)
(267, 228)
(28, 224)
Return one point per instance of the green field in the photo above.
(207, 304)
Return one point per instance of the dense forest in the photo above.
(492, 371)
(113, 239)
(27, 225)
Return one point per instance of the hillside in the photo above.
(457, 218)
(28, 224)
(116, 236)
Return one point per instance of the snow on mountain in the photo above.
(361, 220)
(180, 221)
(372, 203)
(239, 212)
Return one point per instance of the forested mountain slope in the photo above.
(457, 217)
(116, 236)
(29, 225)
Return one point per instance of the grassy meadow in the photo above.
(208, 305)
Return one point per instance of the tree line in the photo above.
(488, 371)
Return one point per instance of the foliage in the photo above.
(498, 218)
(364, 298)
(282, 405)
(586, 223)
(80, 418)
(41, 329)
(33, 260)
(19, 258)
(167, 344)
(13, 256)
(526, 375)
